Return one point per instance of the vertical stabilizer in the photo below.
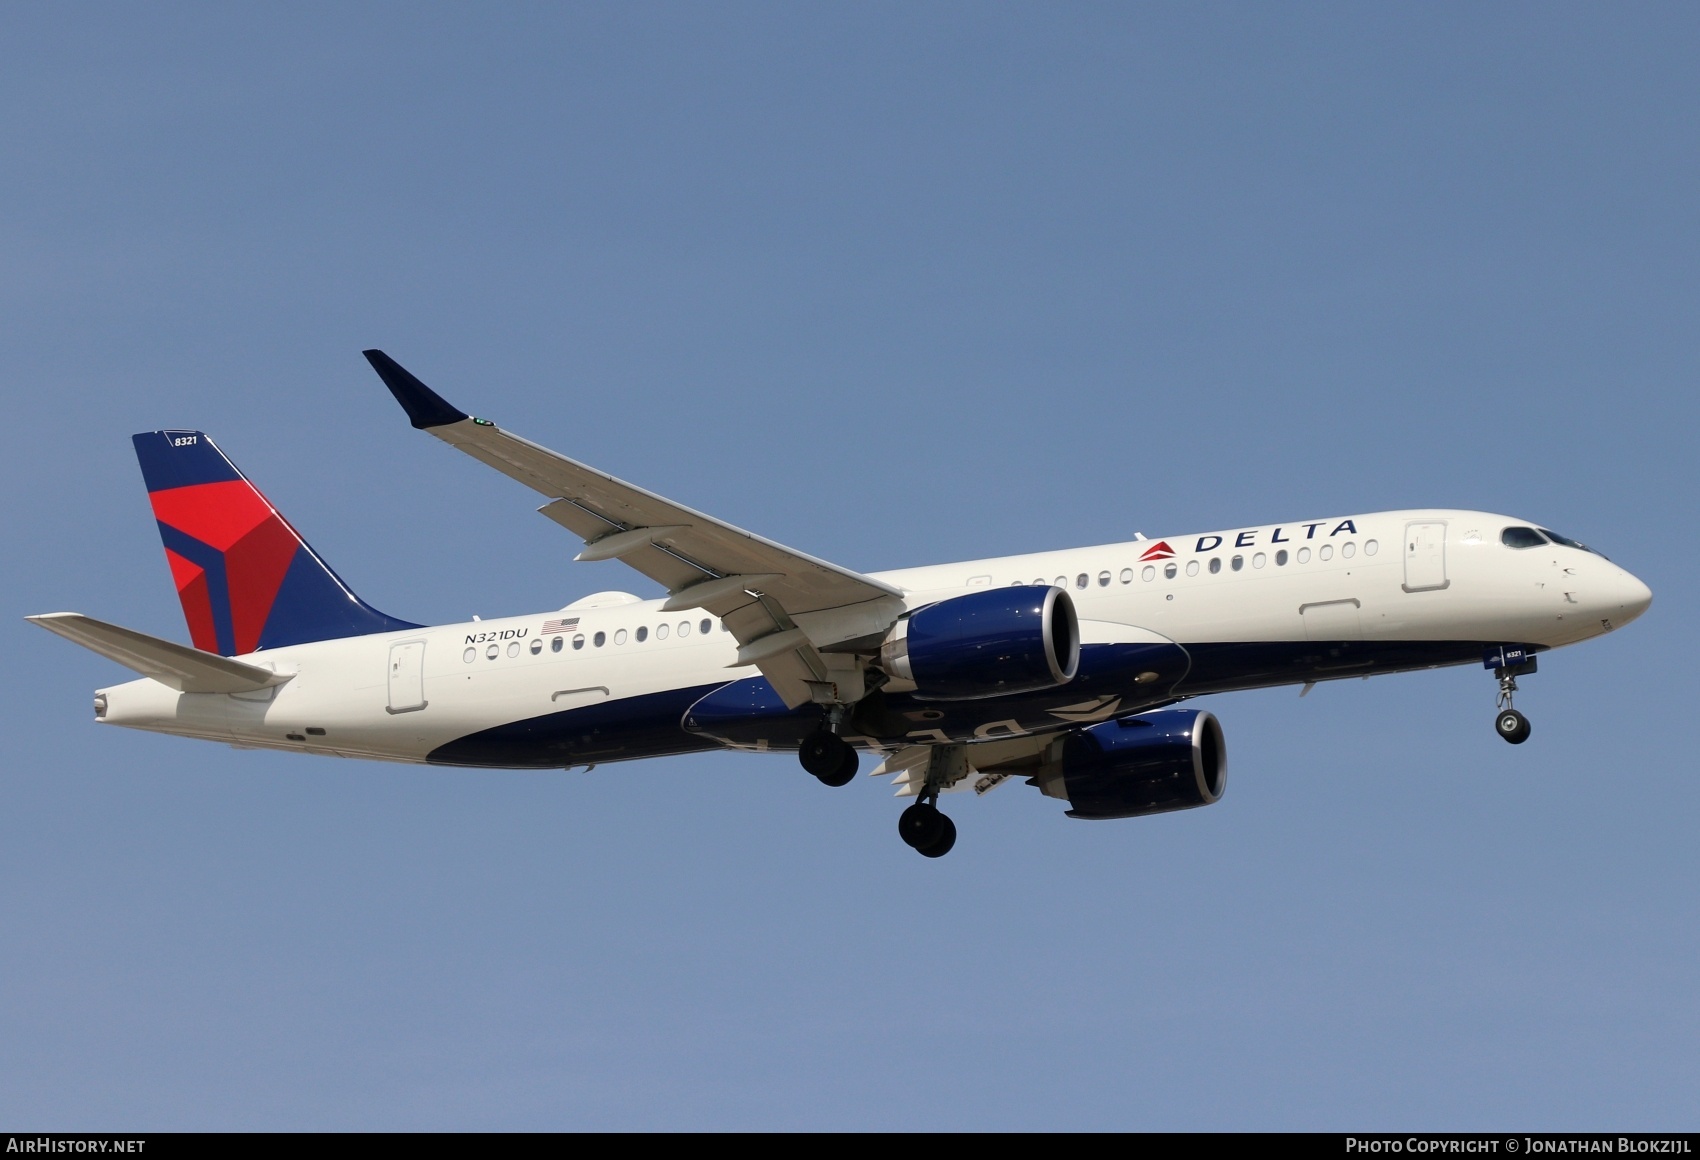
(246, 578)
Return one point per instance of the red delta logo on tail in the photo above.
(233, 522)
(1158, 551)
(246, 578)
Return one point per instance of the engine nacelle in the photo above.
(986, 644)
(1173, 759)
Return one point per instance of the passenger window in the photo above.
(1281, 558)
(1259, 560)
(1192, 567)
(537, 646)
(1082, 580)
(1127, 575)
(1215, 565)
(1018, 584)
(493, 651)
(1149, 573)
(1169, 571)
(684, 628)
(1326, 552)
(1061, 582)
(619, 636)
(642, 635)
(513, 649)
(599, 639)
(469, 655)
(1348, 550)
(661, 632)
(1370, 547)
(1039, 583)
(1521, 538)
(1237, 563)
(1304, 555)
(705, 626)
(1103, 579)
(556, 644)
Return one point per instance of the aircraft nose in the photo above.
(1629, 596)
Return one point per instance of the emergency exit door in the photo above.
(1425, 556)
(407, 676)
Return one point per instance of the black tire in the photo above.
(1512, 726)
(847, 769)
(822, 754)
(921, 824)
(942, 844)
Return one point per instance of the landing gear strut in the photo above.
(1508, 722)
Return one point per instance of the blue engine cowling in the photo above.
(986, 644)
(1173, 759)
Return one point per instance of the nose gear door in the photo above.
(407, 676)
(1425, 556)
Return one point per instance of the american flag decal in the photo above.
(554, 626)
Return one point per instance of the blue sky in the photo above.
(894, 284)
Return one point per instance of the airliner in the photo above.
(1062, 670)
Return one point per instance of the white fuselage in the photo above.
(1418, 576)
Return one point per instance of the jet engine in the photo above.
(1173, 759)
(986, 644)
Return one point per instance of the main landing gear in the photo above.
(1508, 722)
(829, 757)
(922, 827)
(927, 831)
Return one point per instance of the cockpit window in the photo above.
(1521, 538)
(1566, 541)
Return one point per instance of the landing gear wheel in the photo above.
(828, 757)
(921, 825)
(941, 845)
(846, 771)
(1513, 726)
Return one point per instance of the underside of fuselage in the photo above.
(1114, 681)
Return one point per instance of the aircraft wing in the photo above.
(781, 605)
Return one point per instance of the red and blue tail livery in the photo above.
(246, 578)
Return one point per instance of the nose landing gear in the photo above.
(1508, 664)
(1512, 725)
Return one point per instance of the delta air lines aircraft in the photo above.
(1058, 669)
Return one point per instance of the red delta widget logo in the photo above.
(1162, 551)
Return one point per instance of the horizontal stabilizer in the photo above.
(188, 670)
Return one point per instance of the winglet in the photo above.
(425, 408)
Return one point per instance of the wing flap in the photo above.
(188, 670)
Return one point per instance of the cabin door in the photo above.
(1425, 556)
(407, 676)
